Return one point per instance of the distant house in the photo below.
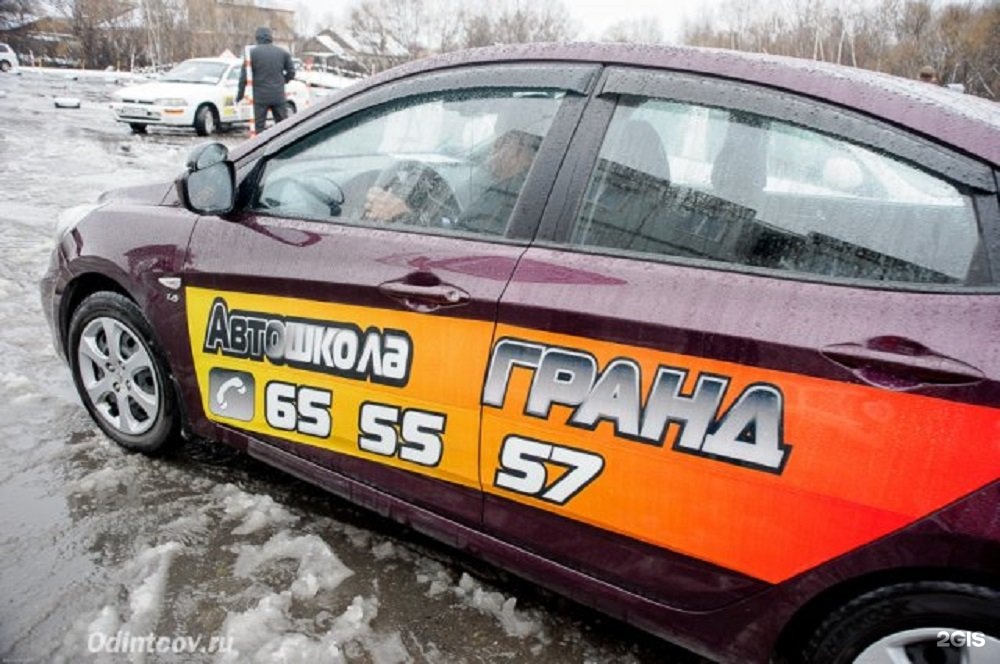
(343, 53)
(231, 24)
(42, 41)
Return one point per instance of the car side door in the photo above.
(359, 342)
(779, 344)
(230, 111)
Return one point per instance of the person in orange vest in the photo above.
(271, 67)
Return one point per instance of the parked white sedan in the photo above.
(198, 93)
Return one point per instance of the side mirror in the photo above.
(209, 184)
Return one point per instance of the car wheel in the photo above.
(205, 121)
(291, 108)
(4, 66)
(120, 373)
(918, 623)
(137, 127)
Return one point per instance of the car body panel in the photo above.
(338, 271)
(822, 490)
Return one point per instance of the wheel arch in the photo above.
(807, 619)
(211, 105)
(216, 115)
(78, 290)
(85, 285)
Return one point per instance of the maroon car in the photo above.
(708, 341)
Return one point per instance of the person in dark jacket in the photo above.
(272, 67)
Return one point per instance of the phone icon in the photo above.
(234, 383)
(231, 394)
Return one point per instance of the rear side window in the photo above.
(677, 179)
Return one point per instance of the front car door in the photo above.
(786, 347)
(357, 341)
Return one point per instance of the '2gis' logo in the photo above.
(960, 639)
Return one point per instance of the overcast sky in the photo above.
(593, 16)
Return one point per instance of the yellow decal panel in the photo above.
(393, 387)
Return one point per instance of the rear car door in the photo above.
(358, 342)
(755, 333)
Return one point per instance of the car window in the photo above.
(454, 162)
(233, 75)
(679, 179)
(196, 71)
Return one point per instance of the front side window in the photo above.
(678, 179)
(453, 162)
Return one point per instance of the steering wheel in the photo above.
(425, 192)
(303, 192)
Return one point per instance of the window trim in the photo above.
(973, 177)
(573, 79)
(794, 109)
(577, 79)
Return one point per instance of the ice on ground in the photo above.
(146, 601)
(12, 382)
(266, 634)
(146, 578)
(188, 529)
(100, 482)
(319, 567)
(515, 623)
(256, 511)
(384, 550)
(434, 573)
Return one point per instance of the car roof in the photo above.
(968, 123)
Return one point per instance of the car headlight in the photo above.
(70, 217)
(171, 101)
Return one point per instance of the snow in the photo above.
(265, 633)
(319, 568)
(146, 600)
(256, 511)
(502, 608)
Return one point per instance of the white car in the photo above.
(198, 93)
(8, 59)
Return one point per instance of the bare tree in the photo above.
(14, 14)
(961, 40)
(516, 22)
(424, 26)
(105, 30)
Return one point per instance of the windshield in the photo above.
(196, 71)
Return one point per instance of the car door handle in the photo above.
(424, 297)
(898, 363)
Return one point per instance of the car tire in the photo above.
(120, 374)
(5, 66)
(137, 127)
(291, 108)
(910, 622)
(205, 122)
